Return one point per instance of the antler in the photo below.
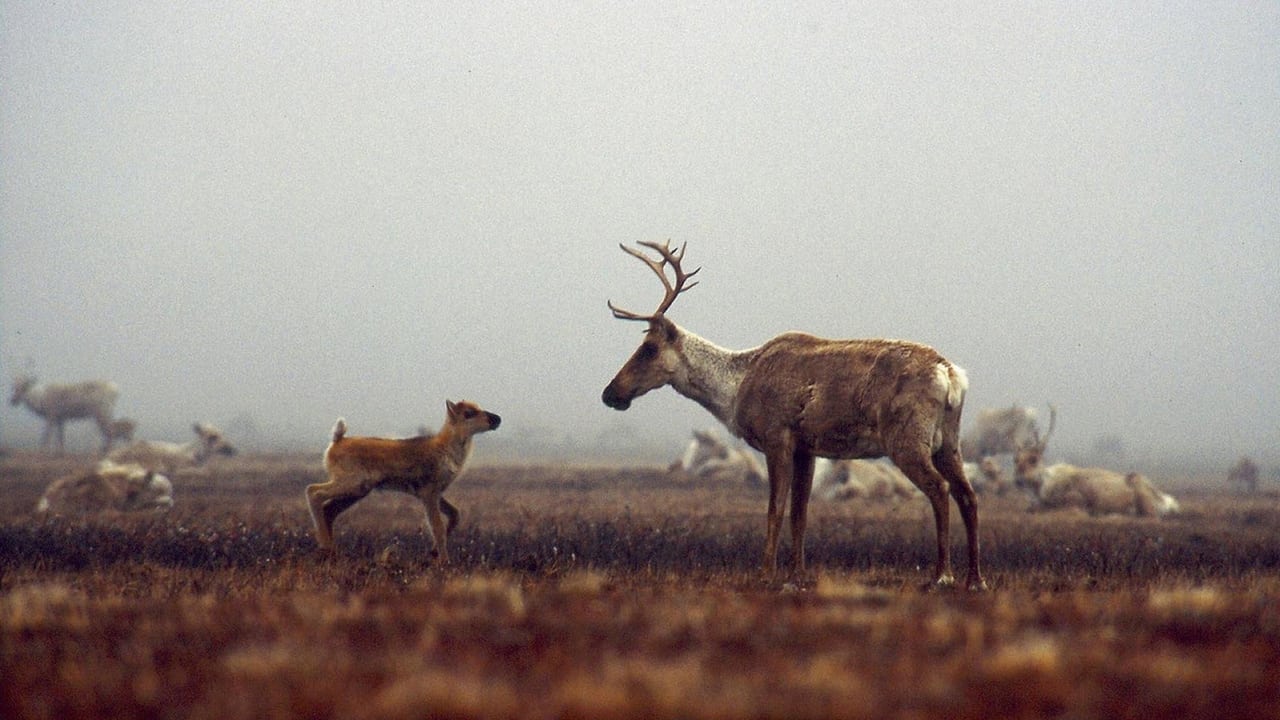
(1042, 442)
(669, 257)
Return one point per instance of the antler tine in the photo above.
(1053, 420)
(626, 314)
(669, 257)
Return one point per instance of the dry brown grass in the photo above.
(598, 591)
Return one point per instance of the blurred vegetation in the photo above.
(621, 591)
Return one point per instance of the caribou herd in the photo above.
(1011, 433)
(135, 476)
(868, 420)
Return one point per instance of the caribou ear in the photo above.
(451, 408)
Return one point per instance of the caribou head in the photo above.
(656, 362)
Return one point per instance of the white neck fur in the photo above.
(710, 375)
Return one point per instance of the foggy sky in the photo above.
(288, 212)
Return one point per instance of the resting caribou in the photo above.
(799, 397)
(170, 457)
(1097, 491)
(860, 479)
(709, 458)
(105, 487)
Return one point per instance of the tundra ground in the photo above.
(623, 592)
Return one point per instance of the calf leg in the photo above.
(326, 501)
(434, 505)
(451, 513)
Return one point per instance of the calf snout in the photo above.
(494, 420)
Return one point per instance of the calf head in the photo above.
(468, 418)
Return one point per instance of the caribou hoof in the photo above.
(946, 581)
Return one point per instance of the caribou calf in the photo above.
(422, 466)
(798, 397)
(59, 402)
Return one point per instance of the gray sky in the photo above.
(293, 211)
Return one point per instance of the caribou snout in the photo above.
(611, 398)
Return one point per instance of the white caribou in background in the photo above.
(1097, 491)
(708, 457)
(860, 480)
(1001, 431)
(987, 476)
(169, 457)
(107, 486)
(59, 402)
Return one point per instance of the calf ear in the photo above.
(451, 408)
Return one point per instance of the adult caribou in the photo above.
(798, 397)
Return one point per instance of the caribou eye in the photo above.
(468, 414)
(647, 351)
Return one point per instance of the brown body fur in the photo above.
(422, 466)
(807, 397)
(798, 397)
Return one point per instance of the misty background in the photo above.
(269, 215)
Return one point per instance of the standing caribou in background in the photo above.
(1243, 476)
(798, 397)
(58, 402)
(1000, 431)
